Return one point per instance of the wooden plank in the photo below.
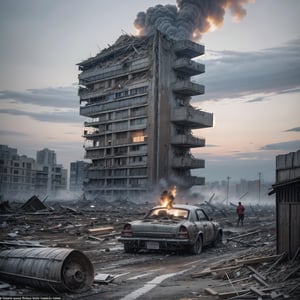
(209, 271)
(291, 273)
(256, 260)
(241, 242)
(226, 295)
(244, 235)
(255, 272)
(205, 272)
(276, 262)
(101, 230)
(232, 282)
(296, 254)
(258, 292)
(211, 291)
(260, 280)
(95, 238)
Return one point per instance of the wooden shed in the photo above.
(287, 189)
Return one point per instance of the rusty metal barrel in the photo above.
(56, 269)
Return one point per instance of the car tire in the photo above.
(218, 240)
(197, 247)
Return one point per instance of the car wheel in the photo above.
(218, 240)
(197, 247)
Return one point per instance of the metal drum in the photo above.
(56, 269)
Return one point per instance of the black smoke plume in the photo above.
(189, 19)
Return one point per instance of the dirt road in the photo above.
(155, 275)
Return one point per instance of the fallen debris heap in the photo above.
(256, 275)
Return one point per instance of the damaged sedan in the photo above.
(181, 227)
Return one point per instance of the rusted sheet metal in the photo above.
(33, 204)
(56, 269)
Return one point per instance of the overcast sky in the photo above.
(252, 79)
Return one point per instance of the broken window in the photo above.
(121, 125)
(138, 172)
(136, 122)
(121, 114)
(134, 112)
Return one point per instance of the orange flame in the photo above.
(167, 197)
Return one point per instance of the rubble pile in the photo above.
(58, 225)
(259, 274)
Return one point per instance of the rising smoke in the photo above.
(189, 19)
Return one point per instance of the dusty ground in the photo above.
(153, 275)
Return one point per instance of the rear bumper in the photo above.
(141, 243)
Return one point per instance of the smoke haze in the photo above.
(190, 18)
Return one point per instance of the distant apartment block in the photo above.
(137, 95)
(78, 171)
(46, 157)
(22, 176)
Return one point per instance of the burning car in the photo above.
(179, 227)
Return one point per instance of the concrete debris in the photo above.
(33, 204)
(260, 274)
(103, 278)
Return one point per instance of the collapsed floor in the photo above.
(255, 269)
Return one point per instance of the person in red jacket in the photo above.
(240, 210)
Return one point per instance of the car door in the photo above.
(208, 231)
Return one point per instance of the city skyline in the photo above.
(252, 80)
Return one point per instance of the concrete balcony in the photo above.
(189, 116)
(93, 110)
(98, 74)
(93, 123)
(187, 141)
(188, 48)
(85, 93)
(188, 67)
(188, 88)
(91, 155)
(188, 162)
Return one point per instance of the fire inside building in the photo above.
(137, 96)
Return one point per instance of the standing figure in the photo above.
(164, 198)
(240, 210)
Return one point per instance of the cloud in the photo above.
(55, 117)
(283, 146)
(237, 74)
(63, 104)
(12, 133)
(296, 129)
(51, 97)
(257, 99)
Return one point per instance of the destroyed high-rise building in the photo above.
(137, 95)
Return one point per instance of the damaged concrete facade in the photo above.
(137, 95)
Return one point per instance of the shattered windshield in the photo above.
(164, 213)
